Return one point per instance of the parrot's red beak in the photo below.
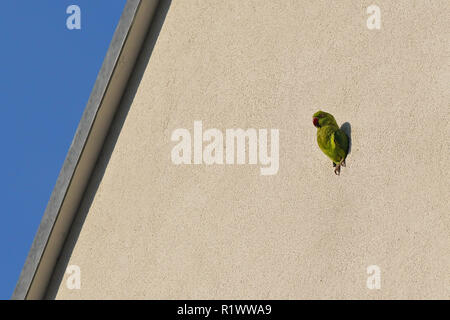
(316, 122)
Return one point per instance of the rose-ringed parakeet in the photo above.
(332, 140)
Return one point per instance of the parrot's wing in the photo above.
(341, 141)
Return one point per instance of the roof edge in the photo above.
(85, 148)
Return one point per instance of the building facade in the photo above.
(143, 211)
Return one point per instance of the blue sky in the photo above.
(47, 73)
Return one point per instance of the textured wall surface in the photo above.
(150, 229)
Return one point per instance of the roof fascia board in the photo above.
(85, 149)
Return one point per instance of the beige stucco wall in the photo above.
(150, 229)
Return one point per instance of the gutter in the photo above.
(85, 149)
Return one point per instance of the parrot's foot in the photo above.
(334, 165)
(337, 170)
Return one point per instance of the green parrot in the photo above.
(331, 140)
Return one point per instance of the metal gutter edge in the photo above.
(85, 148)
